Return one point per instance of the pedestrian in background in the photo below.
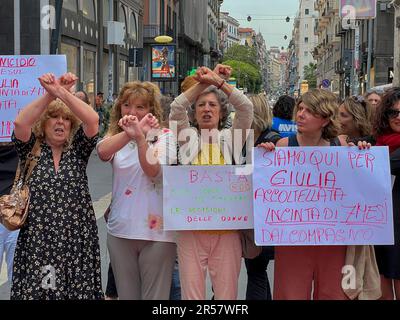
(282, 121)
(258, 287)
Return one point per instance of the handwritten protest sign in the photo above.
(322, 196)
(206, 198)
(19, 84)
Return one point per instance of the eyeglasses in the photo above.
(393, 113)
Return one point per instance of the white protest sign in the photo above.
(19, 84)
(206, 198)
(322, 196)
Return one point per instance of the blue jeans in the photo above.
(258, 287)
(8, 242)
(175, 293)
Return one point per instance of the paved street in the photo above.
(100, 180)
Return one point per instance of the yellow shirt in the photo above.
(210, 155)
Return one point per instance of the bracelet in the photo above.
(222, 83)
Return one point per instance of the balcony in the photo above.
(332, 8)
(151, 31)
(339, 31)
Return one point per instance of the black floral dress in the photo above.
(57, 254)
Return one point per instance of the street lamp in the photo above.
(163, 39)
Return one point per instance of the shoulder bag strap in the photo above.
(32, 160)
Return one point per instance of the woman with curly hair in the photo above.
(218, 251)
(387, 131)
(355, 117)
(57, 254)
(142, 254)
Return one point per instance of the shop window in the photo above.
(71, 53)
(89, 9)
(122, 18)
(71, 5)
(133, 27)
(89, 73)
(123, 66)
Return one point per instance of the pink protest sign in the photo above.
(19, 84)
(322, 196)
(206, 198)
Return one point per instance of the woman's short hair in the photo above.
(283, 108)
(132, 90)
(222, 100)
(262, 112)
(324, 104)
(381, 120)
(361, 112)
(56, 108)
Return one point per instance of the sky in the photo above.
(268, 17)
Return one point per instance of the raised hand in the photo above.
(68, 80)
(50, 83)
(149, 122)
(207, 76)
(224, 71)
(131, 126)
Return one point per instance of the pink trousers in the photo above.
(220, 253)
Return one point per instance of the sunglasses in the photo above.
(359, 100)
(393, 113)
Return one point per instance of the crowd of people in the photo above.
(60, 236)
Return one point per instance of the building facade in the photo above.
(80, 34)
(229, 31)
(327, 52)
(306, 40)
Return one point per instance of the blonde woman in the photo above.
(142, 254)
(355, 117)
(59, 241)
(258, 287)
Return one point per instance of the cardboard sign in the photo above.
(19, 85)
(322, 196)
(206, 198)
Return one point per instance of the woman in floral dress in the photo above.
(57, 254)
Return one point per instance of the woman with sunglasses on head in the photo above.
(355, 118)
(387, 131)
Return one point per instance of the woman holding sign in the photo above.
(296, 268)
(57, 254)
(387, 129)
(142, 254)
(218, 251)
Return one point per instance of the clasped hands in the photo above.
(138, 130)
(53, 84)
(213, 77)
